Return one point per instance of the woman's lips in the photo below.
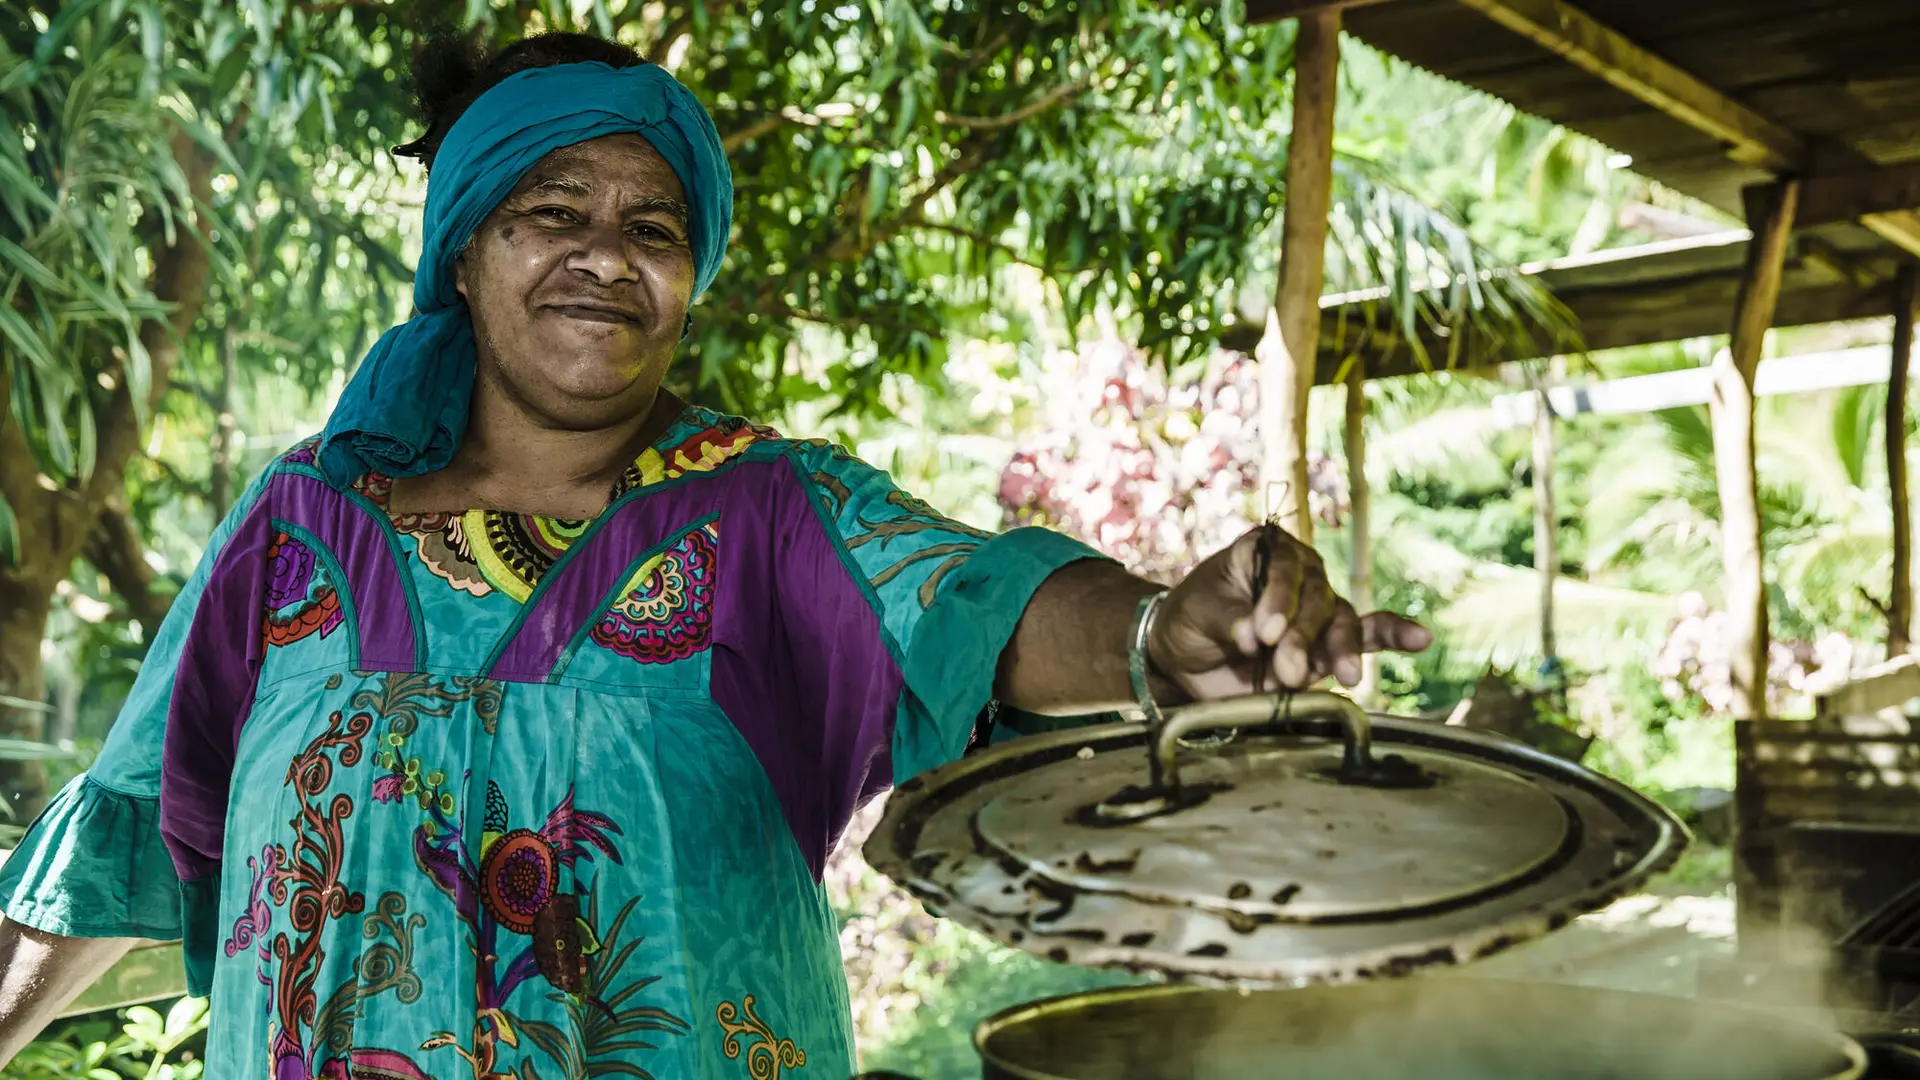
(594, 314)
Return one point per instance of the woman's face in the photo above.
(579, 281)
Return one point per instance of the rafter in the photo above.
(1750, 137)
(1607, 54)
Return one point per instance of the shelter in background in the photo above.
(1802, 119)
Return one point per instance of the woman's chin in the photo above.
(596, 398)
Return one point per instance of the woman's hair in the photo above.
(451, 71)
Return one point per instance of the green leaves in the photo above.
(95, 193)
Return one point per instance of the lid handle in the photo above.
(1164, 792)
(1356, 763)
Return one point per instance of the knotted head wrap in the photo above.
(405, 410)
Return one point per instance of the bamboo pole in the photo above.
(1288, 349)
(1360, 521)
(1770, 217)
(1899, 607)
(1770, 212)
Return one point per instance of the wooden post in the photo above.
(1360, 521)
(1770, 216)
(1291, 344)
(1546, 558)
(1770, 212)
(1900, 590)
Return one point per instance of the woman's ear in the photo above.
(460, 275)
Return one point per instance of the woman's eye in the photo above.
(646, 231)
(555, 213)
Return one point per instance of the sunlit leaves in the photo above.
(292, 115)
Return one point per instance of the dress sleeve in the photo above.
(947, 597)
(94, 863)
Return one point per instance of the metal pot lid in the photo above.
(1312, 844)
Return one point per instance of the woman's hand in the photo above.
(1211, 637)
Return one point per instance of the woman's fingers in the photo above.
(1215, 628)
(1343, 644)
(1300, 633)
(1383, 631)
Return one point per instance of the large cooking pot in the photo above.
(1412, 1029)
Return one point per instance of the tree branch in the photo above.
(19, 478)
(739, 137)
(679, 24)
(975, 237)
(774, 121)
(182, 481)
(856, 243)
(1057, 96)
(114, 549)
(180, 276)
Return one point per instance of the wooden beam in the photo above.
(1843, 196)
(1900, 228)
(1751, 138)
(1360, 523)
(1266, 11)
(1889, 685)
(1288, 352)
(1688, 387)
(1770, 215)
(1605, 53)
(1899, 607)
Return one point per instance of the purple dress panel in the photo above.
(387, 623)
(213, 689)
(799, 663)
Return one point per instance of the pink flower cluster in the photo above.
(1697, 656)
(1157, 474)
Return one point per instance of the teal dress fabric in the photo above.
(487, 795)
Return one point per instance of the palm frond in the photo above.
(1498, 615)
(1422, 275)
(1452, 441)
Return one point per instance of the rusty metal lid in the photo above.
(1312, 844)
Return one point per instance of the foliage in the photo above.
(892, 159)
(920, 984)
(146, 1046)
(1130, 151)
(159, 135)
(1156, 475)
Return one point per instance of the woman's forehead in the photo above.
(625, 164)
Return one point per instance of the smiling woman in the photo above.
(506, 726)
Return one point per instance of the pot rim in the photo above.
(1847, 1046)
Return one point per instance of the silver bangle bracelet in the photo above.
(1137, 657)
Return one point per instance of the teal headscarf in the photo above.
(405, 410)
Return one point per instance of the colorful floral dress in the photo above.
(489, 795)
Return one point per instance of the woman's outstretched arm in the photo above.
(40, 974)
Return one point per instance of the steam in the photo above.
(1421, 1028)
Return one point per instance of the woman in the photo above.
(505, 727)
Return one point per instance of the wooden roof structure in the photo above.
(1714, 98)
(1645, 295)
(1801, 118)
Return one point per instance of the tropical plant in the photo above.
(197, 201)
(603, 1019)
(146, 1046)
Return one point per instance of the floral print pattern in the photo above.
(482, 552)
(529, 911)
(301, 601)
(667, 612)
